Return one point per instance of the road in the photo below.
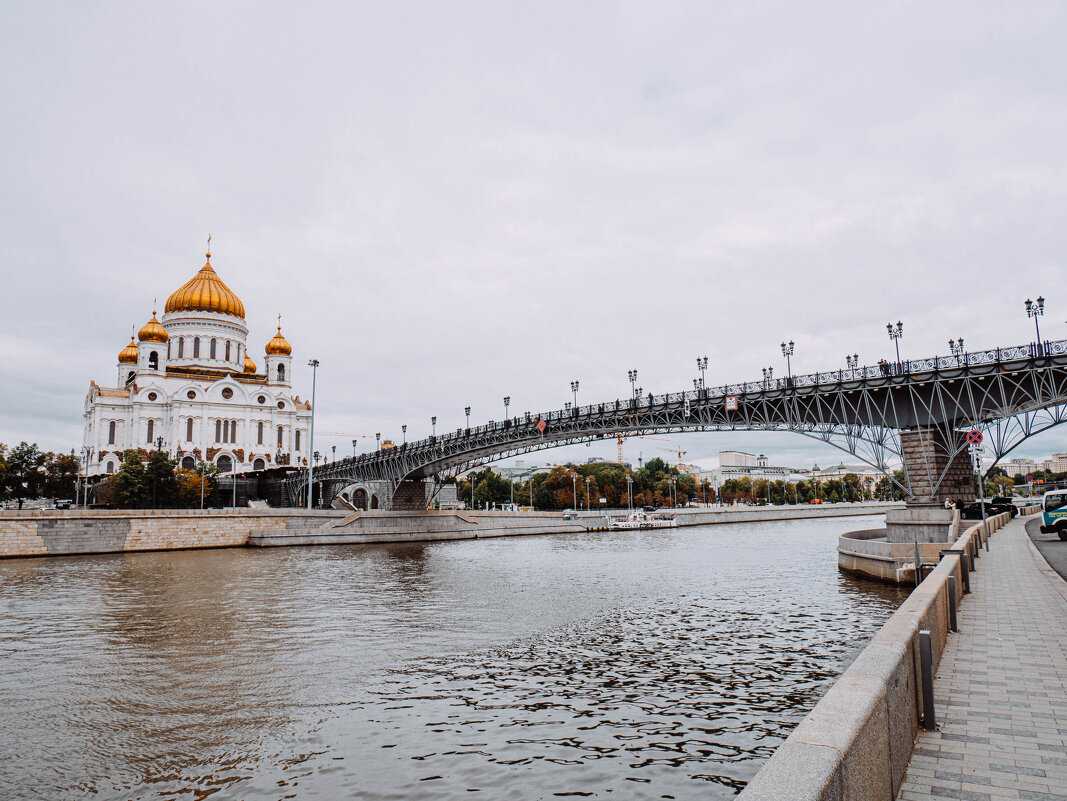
(1051, 546)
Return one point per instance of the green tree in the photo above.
(60, 475)
(130, 486)
(24, 474)
(159, 480)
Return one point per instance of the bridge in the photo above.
(913, 413)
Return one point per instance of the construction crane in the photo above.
(678, 451)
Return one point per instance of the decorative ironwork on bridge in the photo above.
(868, 412)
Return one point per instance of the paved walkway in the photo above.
(1001, 690)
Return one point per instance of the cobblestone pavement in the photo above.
(1001, 690)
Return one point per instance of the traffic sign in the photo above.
(974, 436)
(731, 403)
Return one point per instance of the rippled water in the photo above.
(613, 665)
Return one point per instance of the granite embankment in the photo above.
(856, 743)
(54, 533)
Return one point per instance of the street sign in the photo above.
(731, 403)
(974, 437)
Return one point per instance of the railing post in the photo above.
(952, 622)
(926, 671)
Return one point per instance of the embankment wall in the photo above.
(856, 743)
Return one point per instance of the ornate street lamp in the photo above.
(314, 365)
(467, 411)
(1036, 310)
(433, 422)
(404, 429)
(378, 440)
(574, 391)
(702, 366)
(354, 449)
(507, 403)
(956, 346)
(853, 362)
(768, 374)
(895, 334)
(787, 351)
(632, 375)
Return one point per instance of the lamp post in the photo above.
(1036, 310)
(314, 365)
(567, 407)
(467, 411)
(632, 375)
(853, 362)
(630, 490)
(787, 351)
(404, 430)
(702, 366)
(768, 374)
(587, 480)
(574, 391)
(895, 334)
(354, 449)
(507, 403)
(574, 488)
(433, 424)
(956, 346)
(333, 453)
(378, 440)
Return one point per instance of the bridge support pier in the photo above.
(927, 457)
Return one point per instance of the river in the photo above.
(656, 664)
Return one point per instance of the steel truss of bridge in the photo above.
(1009, 394)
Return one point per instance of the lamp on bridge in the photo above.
(632, 375)
(768, 374)
(895, 334)
(853, 362)
(574, 390)
(1036, 310)
(507, 403)
(354, 449)
(467, 411)
(957, 348)
(378, 441)
(787, 351)
(404, 429)
(702, 366)
(433, 422)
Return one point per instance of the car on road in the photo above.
(1054, 513)
(1004, 504)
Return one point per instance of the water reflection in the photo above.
(641, 665)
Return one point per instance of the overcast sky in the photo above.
(453, 202)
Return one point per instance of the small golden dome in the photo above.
(205, 292)
(128, 355)
(250, 366)
(153, 331)
(279, 345)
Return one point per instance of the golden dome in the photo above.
(153, 331)
(279, 345)
(128, 355)
(205, 292)
(250, 366)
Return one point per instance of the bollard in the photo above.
(964, 572)
(926, 668)
(975, 545)
(952, 622)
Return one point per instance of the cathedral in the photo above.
(188, 386)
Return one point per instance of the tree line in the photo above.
(28, 472)
(152, 480)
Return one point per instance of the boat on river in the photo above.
(644, 519)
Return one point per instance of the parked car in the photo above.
(973, 511)
(1004, 504)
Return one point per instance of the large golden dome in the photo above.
(128, 355)
(205, 292)
(279, 345)
(250, 366)
(153, 331)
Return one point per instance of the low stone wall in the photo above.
(856, 743)
(55, 533)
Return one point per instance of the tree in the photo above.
(24, 475)
(130, 486)
(191, 485)
(159, 479)
(60, 475)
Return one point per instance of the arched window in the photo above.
(153, 361)
(298, 440)
(259, 464)
(279, 436)
(111, 433)
(281, 372)
(218, 431)
(188, 463)
(151, 430)
(110, 467)
(259, 433)
(181, 348)
(213, 347)
(227, 350)
(196, 347)
(129, 376)
(225, 464)
(189, 430)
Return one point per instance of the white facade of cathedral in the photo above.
(189, 387)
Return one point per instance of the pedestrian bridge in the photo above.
(912, 413)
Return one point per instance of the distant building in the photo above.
(1059, 463)
(1019, 467)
